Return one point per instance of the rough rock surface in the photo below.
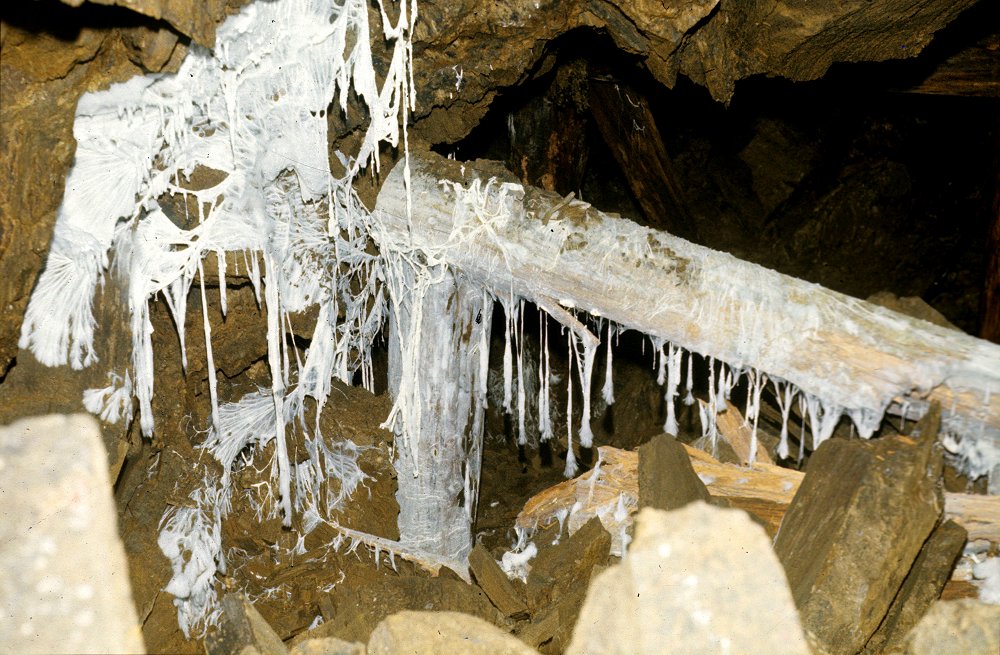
(195, 19)
(666, 478)
(854, 528)
(495, 583)
(328, 646)
(568, 566)
(430, 633)
(359, 608)
(922, 586)
(699, 579)
(242, 627)
(64, 582)
(958, 627)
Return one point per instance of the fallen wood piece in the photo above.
(333, 533)
(851, 356)
(751, 488)
(609, 491)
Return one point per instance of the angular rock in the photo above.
(567, 566)
(495, 583)
(242, 627)
(957, 627)
(666, 478)
(922, 586)
(432, 633)
(697, 580)
(855, 527)
(64, 578)
(551, 629)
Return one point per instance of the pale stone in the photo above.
(695, 580)
(431, 633)
(63, 574)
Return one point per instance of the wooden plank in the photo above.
(852, 355)
(763, 486)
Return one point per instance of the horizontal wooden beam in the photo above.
(764, 490)
(853, 356)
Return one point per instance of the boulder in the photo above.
(666, 478)
(65, 581)
(957, 627)
(431, 633)
(854, 529)
(700, 579)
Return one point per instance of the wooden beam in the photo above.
(972, 71)
(622, 114)
(437, 377)
(852, 355)
(763, 490)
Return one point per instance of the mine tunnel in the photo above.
(559, 326)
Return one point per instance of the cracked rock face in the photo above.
(465, 52)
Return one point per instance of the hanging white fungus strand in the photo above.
(608, 391)
(755, 384)
(220, 256)
(522, 433)
(783, 392)
(544, 381)
(585, 369)
(659, 361)
(674, 355)
(689, 398)
(710, 430)
(484, 357)
(802, 428)
(274, 342)
(508, 365)
(570, 470)
(213, 383)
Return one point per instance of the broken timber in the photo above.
(563, 254)
(764, 490)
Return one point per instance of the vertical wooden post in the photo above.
(438, 459)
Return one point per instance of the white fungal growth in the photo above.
(584, 352)
(113, 402)
(689, 383)
(544, 381)
(252, 113)
(784, 392)
(608, 390)
(673, 378)
(570, 469)
(191, 538)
